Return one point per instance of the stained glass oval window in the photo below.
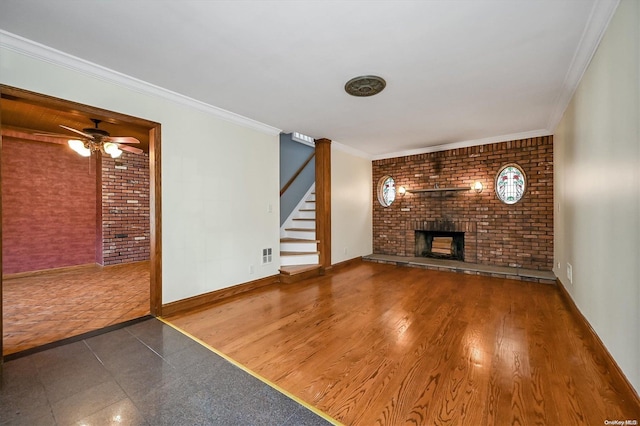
(386, 191)
(510, 184)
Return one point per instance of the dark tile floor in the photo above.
(144, 374)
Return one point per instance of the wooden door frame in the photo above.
(155, 189)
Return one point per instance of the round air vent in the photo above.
(366, 85)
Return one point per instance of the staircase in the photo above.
(298, 244)
(299, 254)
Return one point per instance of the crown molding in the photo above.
(56, 57)
(465, 144)
(601, 14)
(349, 150)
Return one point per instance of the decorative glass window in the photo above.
(386, 191)
(510, 184)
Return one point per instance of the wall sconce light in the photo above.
(402, 190)
(477, 187)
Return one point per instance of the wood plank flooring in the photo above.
(375, 344)
(48, 307)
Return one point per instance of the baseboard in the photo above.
(345, 263)
(49, 271)
(618, 377)
(66, 269)
(189, 303)
(115, 265)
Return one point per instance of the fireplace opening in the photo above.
(440, 244)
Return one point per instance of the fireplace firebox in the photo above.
(440, 244)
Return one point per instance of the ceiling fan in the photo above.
(95, 139)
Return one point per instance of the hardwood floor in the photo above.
(48, 307)
(380, 344)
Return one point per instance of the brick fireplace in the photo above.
(517, 235)
(443, 240)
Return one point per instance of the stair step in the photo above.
(290, 258)
(295, 273)
(303, 233)
(306, 214)
(305, 223)
(298, 269)
(298, 244)
(297, 253)
(297, 240)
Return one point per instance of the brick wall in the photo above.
(48, 207)
(125, 208)
(518, 235)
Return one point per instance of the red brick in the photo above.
(517, 235)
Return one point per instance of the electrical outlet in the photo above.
(570, 273)
(252, 269)
(345, 250)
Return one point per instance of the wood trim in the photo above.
(1, 278)
(323, 201)
(70, 106)
(47, 271)
(296, 174)
(294, 278)
(66, 269)
(155, 215)
(624, 388)
(200, 300)
(345, 263)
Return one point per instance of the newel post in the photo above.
(323, 201)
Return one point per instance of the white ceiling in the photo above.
(458, 72)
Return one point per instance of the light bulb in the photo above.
(112, 149)
(78, 146)
(115, 153)
(108, 147)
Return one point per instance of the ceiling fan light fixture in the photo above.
(365, 85)
(112, 149)
(115, 153)
(78, 146)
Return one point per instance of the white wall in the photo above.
(351, 206)
(597, 191)
(218, 178)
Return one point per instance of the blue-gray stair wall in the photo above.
(292, 155)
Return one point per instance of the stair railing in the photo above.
(296, 174)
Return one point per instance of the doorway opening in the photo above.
(26, 116)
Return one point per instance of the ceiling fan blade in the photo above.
(122, 139)
(130, 149)
(71, 129)
(52, 135)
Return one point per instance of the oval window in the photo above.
(510, 184)
(386, 191)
